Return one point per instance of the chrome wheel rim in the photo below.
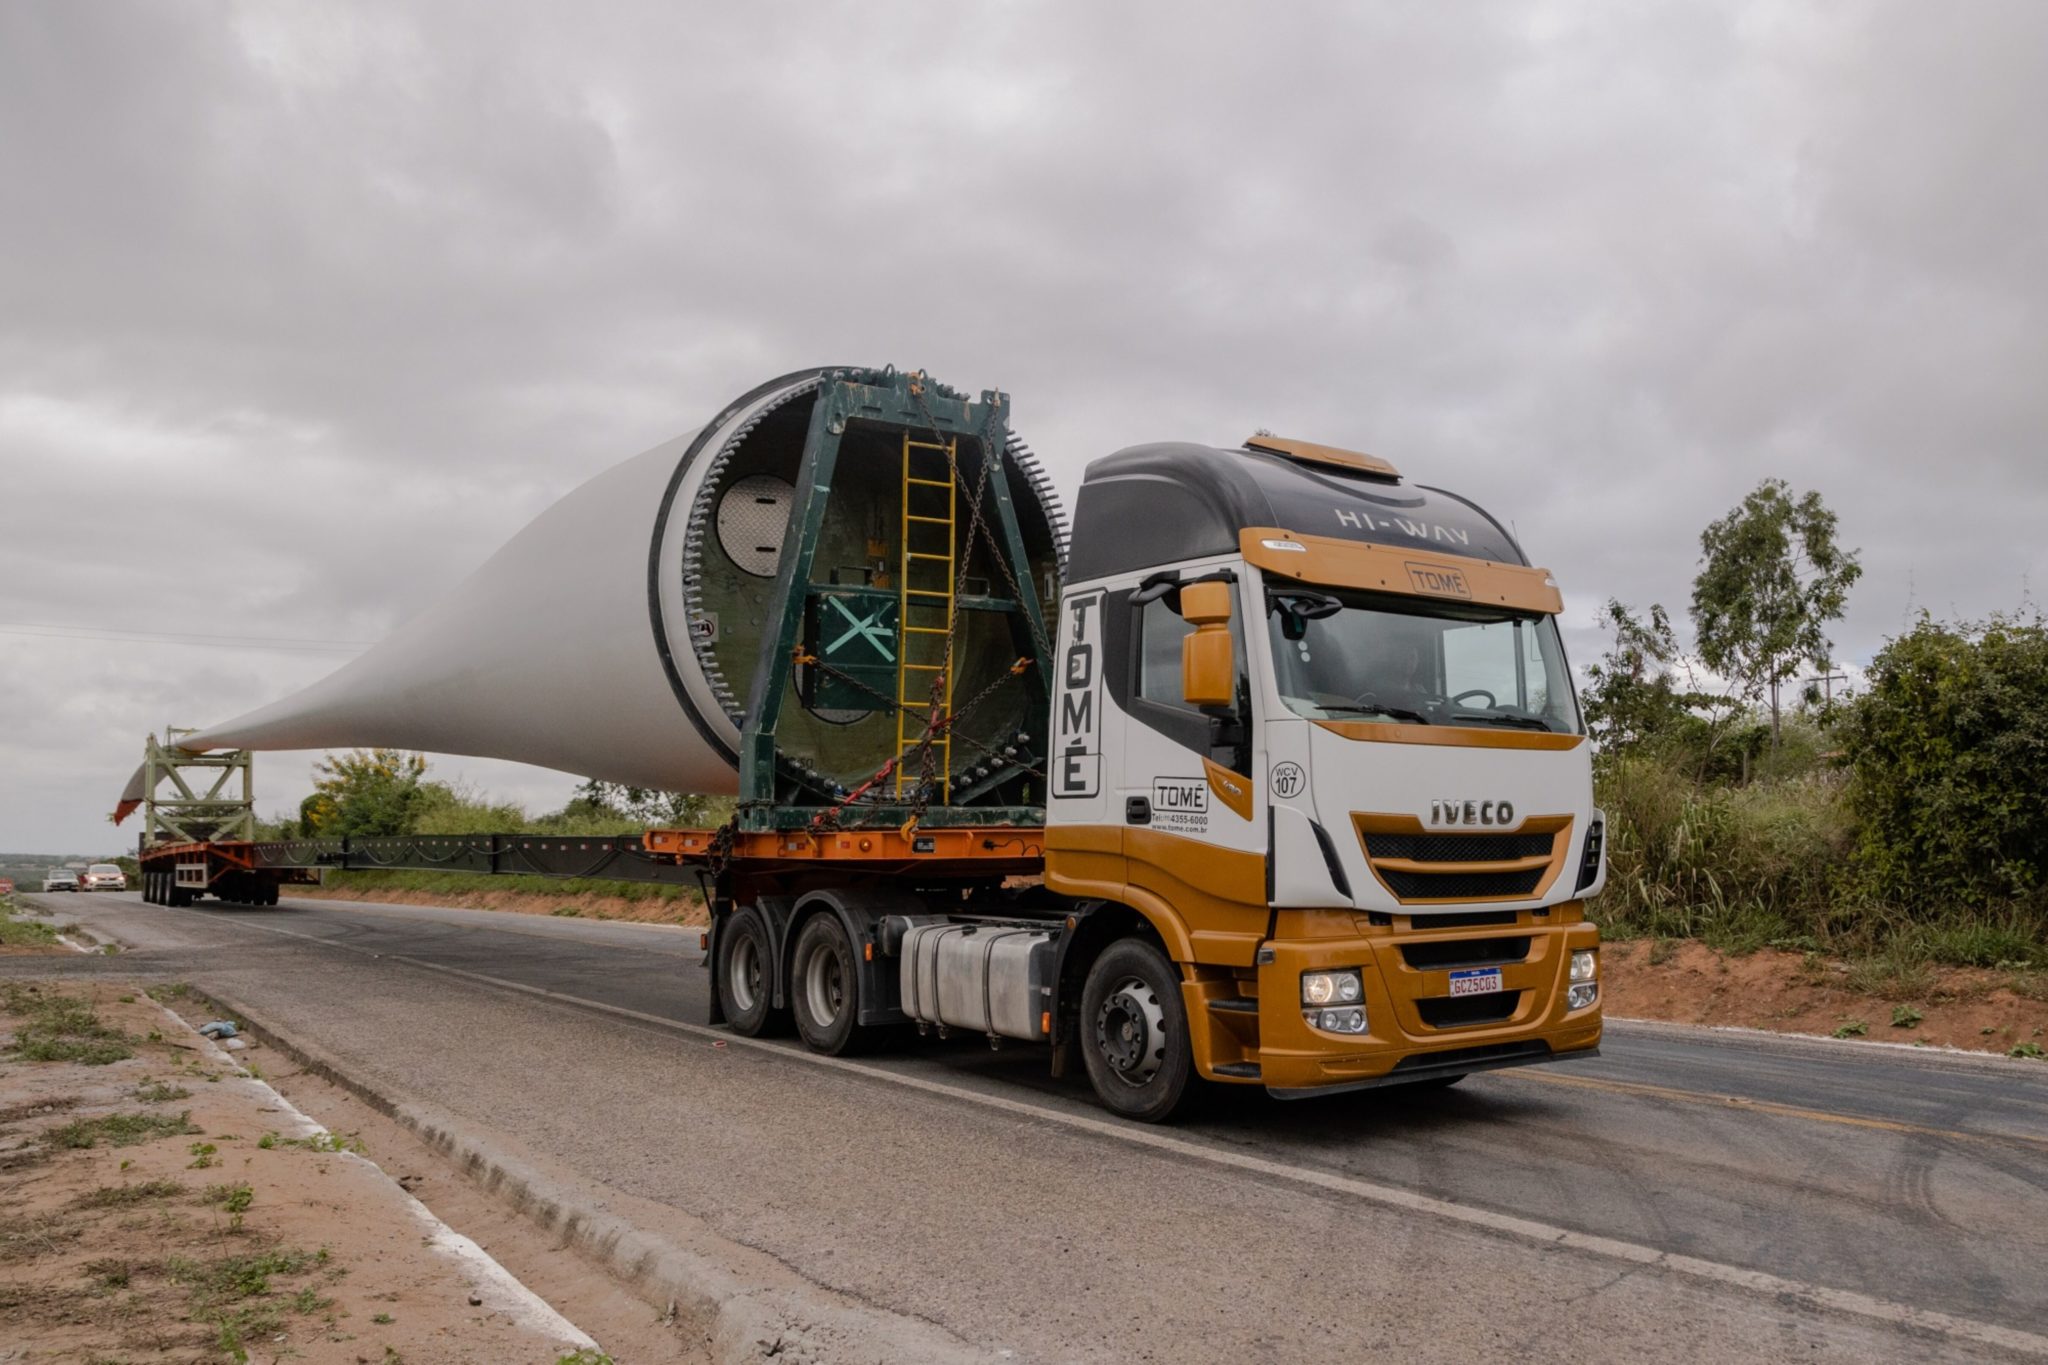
(1130, 1031)
(824, 986)
(745, 973)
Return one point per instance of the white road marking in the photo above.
(1887, 1312)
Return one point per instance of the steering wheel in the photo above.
(1491, 704)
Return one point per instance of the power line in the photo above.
(46, 631)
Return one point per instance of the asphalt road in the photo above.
(1687, 1193)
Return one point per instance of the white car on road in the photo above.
(60, 879)
(103, 877)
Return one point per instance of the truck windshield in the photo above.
(1400, 661)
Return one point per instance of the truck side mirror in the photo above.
(1208, 663)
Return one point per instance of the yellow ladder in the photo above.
(924, 611)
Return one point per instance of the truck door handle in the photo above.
(1137, 810)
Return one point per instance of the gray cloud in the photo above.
(304, 311)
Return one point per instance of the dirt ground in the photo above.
(631, 1330)
(1787, 992)
(165, 1205)
(586, 906)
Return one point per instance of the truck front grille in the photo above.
(1459, 848)
(1461, 886)
(1422, 866)
(1463, 1011)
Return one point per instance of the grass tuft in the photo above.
(26, 933)
(61, 1028)
(127, 1196)
(161, 1092)
(120, 1130)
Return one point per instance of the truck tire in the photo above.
(746, 983)
(824, 988)
(1134, 1033)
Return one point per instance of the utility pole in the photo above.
(1827, 682)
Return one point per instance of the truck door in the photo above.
(1194, 821)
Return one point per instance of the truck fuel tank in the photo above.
(990, 978)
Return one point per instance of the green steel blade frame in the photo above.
(199, 807)
(892, 402)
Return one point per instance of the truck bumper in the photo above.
(1416, 1029)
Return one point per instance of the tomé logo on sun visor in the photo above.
(1439, 580)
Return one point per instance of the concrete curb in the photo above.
(742, 1322)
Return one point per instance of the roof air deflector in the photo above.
(1308, 452)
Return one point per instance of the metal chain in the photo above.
(829, 819)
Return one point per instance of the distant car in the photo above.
(60, 879)
(103, 877)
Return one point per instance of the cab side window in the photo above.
(1160, 631)
(1156, 698)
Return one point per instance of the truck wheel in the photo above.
(745, 986)
(824, 988)
(1134, 1033)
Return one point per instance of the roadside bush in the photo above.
(1736, 866)
(1948, 751)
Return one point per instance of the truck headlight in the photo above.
(1585, 965)
(1578, 997)
(1350, 1020)
(1331, 988)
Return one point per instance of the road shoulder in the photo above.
(159, 1196)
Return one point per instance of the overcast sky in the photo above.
(306, 309)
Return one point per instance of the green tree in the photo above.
(1771, 579)
(1631, 695)
(1948, 757)
(646, 806)
(366, 792)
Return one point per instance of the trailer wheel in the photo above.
(824, 988)
(746, 982)
(1134, 1033)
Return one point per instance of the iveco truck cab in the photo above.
(1314, 733)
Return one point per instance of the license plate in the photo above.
(1478, 981)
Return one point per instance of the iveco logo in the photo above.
(1471, 813)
